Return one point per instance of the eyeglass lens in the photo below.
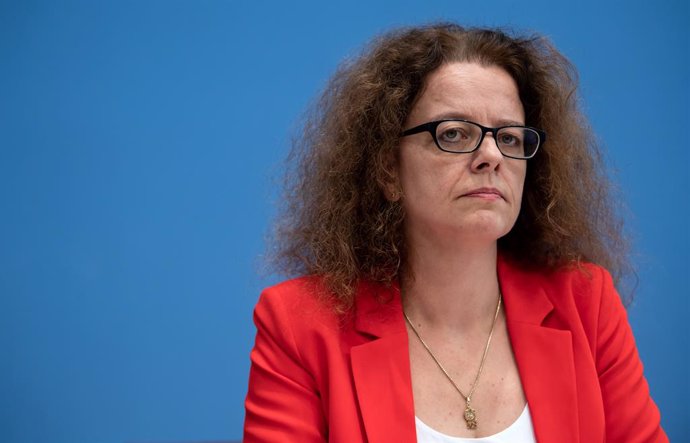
(459, 136)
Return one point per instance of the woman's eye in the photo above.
(509, 140)
(453, 135)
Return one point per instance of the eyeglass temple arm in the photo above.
(417, 129)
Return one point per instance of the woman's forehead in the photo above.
(470, 91)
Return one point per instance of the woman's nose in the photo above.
(487, 157)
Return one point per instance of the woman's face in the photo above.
(472, 197)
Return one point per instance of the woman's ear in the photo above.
(392, 193)
(390, 181)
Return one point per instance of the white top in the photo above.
(519, 432)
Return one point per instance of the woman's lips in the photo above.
(484, 193)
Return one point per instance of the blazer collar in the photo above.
(378, 309)
(523, 296)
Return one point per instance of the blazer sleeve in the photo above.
(283, 402)
(630, 414)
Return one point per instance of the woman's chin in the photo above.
(487, 227)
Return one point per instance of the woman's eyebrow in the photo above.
(452, 116)
(463, 116)
(509, 123)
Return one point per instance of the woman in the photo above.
(453, 227)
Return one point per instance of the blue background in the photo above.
(140, 146)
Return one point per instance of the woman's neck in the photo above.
(451, 288)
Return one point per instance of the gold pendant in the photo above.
(470, 417)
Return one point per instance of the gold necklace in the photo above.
(470, 414)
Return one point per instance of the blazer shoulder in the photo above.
(305, 289)
(299, 304)
(581, 283)
(585, 283)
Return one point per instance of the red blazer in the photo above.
(318, 377)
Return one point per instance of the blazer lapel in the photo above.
(544, 356)
(381, 368)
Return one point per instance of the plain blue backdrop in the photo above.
(140, 145)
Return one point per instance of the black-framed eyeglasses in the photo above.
(463, 136)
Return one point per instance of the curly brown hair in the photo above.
(337, 222)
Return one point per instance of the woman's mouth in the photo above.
(484, 193)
